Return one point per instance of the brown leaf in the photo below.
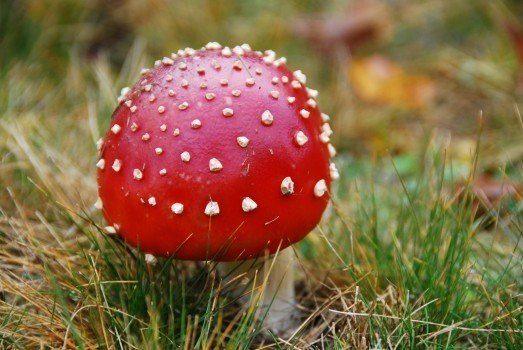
(362, 22)
(491, 191)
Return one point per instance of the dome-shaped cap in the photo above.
(216, 154)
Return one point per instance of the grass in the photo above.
(403, 262)
(410, 256)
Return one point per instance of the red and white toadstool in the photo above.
(216, 154)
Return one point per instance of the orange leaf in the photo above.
(380, 81)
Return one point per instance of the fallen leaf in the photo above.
(378, 80)
(491, 191)
(360, 23)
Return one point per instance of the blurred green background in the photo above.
(389, 72)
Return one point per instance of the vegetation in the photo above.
(422, 245)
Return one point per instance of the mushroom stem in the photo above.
(274, 282)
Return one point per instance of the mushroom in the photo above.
(218, 154)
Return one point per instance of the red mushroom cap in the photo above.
(216, 154)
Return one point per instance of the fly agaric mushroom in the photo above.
(217, 154)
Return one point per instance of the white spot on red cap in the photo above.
(226, 51)
(242, 141)
(163, 127)
(275, 94)
(312, 93)
(287, 186)
(335, 174)
(134, 127)
(301, 138)
(185, 156)
(227, 112)
(137, 174)
(212, 209)
(267, 118)
(133, 109)
(167, 61)
(213, 45)
(123, 94)
(236, 93)
(325, 117)
(117, 165)
(162, 171)
(150, 259)
(210, 96)
(332, 150)
(161, 109)
(280, 61)
(324, 137)
(177, 208)
(215, 165)
(250, 81)
(176, 132)
(146, 137)
(196, 124)
(238, 50)
(248, 204)
(110, 229)
(300, 76)
(158, 150)
(151, 201)
(311, 103)
(100, 164)
(305, 113)
(269, 57)
(320, 188)
(295, 84)
(148, 87)
(326, 128)
(116, 129)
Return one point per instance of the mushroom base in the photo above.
(268, 282)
